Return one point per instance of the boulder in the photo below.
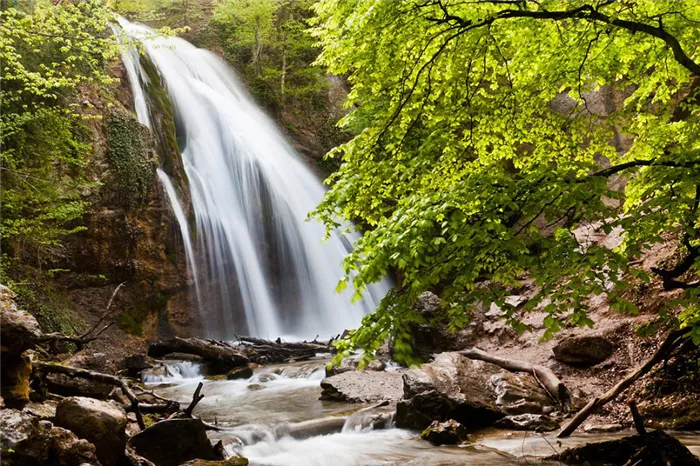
(449, 432)
(19, 330)
(363, 387)
(135, 363)
(68, 450)
(244, 372)
(173, 442)
(100, 422)
(653, 448)
(533, 422)
(24, 440)
(450, 387)
(519, 393)
(583, 350)
(432, 337)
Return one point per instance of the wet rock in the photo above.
(173, 442)
(102, 423)
(68, 450)
(239, 373)
(534, 422)
(24, 440)
(346, 365)
(132, 458)
(651, 449)
(234, 461)
(255, 386)
(136, 363)
(363, 387)
(449, 432)
(583, 350)
(519, 393)
(45, 410)
(602, 428)
(376, 365)
(450, 387)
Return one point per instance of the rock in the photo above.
(23, 439)
(519, 393)
(255, 386)
(584, 350)
(45, 410)
(183, 357)
(100, 422)
(376, 365)
(363, 387)
(431, 337)
(653, 448)
(534, 422)
(68, 450)
(449, 432)
(133, 459)
(450, 387)
(19, 330)
(16, 370)
(602, 428)
(346, 365)
(174, 441)
(135, 363)
(233, 461)
(239, 373)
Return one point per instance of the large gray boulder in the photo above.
(173, 442)
(363, 387)
(472, 392)
(101, 423)
(583, 350)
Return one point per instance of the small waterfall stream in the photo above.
(260, 267)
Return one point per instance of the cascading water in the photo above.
(255, 251)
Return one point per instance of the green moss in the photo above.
(128, 155)
(132, 320)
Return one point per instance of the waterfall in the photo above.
(261, 268)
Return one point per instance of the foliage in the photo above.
(128, 147)
(47, 53)
(494, 138)
(268, 41)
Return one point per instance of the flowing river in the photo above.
(276, 418)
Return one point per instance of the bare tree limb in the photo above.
(664, 350)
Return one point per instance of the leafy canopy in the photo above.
(493, 137)
(47, 53)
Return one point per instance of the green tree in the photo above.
(482, 146)
(268, 40)
(48, 52)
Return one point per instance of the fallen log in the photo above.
(544, 375)
(264, 351)
(664, 350)
(220, 356)
(46, 368)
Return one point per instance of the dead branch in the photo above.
(44, 367)
(196, 398)
(666, 347)
(544, 376)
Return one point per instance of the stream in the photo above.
(273, 418)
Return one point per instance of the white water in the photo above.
(261, 267)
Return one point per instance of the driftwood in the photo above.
(46, 368)
(544, 376)
(661, 353)
(267, 351)
(196, 398)
(220, 356)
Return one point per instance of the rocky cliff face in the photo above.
(131, 235)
